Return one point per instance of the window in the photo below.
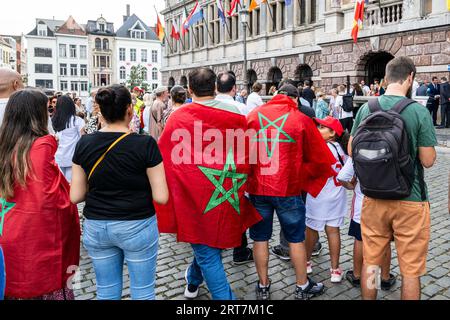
(154, 56)
(102, 27)
(313, 11)
(43, 52)
(154, 86)
(63, 51)
(83, 70)
(73, 51)
(63, 69)
(83, 52)
(84, 86)
(273, 18)
(73, 70)
(154, 74)
(103, 62)
(105, 44)
(46, 84)
(98, 44)
(122, 54)
(74, 86)
(302, 14)
(123, 73)
(133, 55)
(282, 15)
(136, 34)
(144, 55)
(42, 30)
(43, 68)
(214, 24)
(144, 74)
(63, 86)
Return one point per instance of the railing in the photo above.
(386, 15)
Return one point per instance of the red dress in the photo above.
(41, 229)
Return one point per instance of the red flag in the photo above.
(358, 19)
(175, 32)
(41, 230)
(207, 203)
(233, 7)
(293, 147)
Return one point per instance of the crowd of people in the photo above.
(135, 160)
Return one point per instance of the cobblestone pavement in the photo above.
(175, 257)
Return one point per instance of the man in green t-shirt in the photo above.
(406, 220)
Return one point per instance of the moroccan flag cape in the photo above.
(207, 203)
(293, 157)
(358, 19)
(40, 229)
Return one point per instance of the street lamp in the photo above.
(244, 14)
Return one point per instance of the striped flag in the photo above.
(160, 32)
(175, 32)
(184, 25)
(196, 15)
(234, 7)
(255, 4)
(358, 19)
(221, 11)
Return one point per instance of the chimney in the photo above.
(125, 18)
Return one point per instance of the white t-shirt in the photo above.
(254, 100)
(366, 90)
(3, 103)
(146, 117)
(347, 174)
(68, 140)
(226, 98)
(331, 203)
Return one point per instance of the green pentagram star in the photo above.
(221, 195)
(274, 142)
(4, 209)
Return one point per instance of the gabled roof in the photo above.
(71, 27)
(124, 30)
(92, 28)
(51, 26)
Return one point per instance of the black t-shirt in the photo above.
(308, 95)
(119, 188)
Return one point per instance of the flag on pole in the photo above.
(221, 12)
(184, 25)
(160, 32)
(255, 4)
(234, 7)
(175, 32)
(358, 19)
(196, 15)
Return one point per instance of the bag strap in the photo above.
(107, 151)
(337, 151)
(402, 105)
(374, 105)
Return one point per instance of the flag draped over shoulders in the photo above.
(41, 229)
(295, 158)
(207, 178)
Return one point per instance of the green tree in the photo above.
(138, 77)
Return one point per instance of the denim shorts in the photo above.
(291, 213)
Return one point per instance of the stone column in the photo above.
(334, 19)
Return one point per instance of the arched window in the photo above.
(98, 44)
(183, 81)
(123, 73)
(154, 74)
(144, 74)
(105, 44)
(171, 82)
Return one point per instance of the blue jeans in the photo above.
(207, 266)
(2, 275)
(109, 243)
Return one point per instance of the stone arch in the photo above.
(303, 72)
(251, 78)
(183, 81)
(274, 78)
(372, 66)
(171, 82)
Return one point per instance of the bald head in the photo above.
(10, 82)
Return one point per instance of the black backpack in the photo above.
(348, 102)
(381, 155)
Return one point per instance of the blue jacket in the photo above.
(432, 92)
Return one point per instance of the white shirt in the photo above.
(347, 174)
(254, 100)
(68, 140)
(414, 89)
(146, 117)
(339, 103)
(89, 104)
(3, 103)
(331, 203)
(366, 90)
(229, 99)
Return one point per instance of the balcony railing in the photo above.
(383, 15)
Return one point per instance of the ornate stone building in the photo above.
(311, 40)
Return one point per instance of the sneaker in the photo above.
(313, 290)
(317, 249)
(309, 269)
(191, 291)
(262, 293)
(387, 285)
(336, 276)
(355, 282)
(281, 253)
(246, 258)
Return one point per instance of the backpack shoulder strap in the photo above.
(337, 151)
(402, 105)
(374, 105)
